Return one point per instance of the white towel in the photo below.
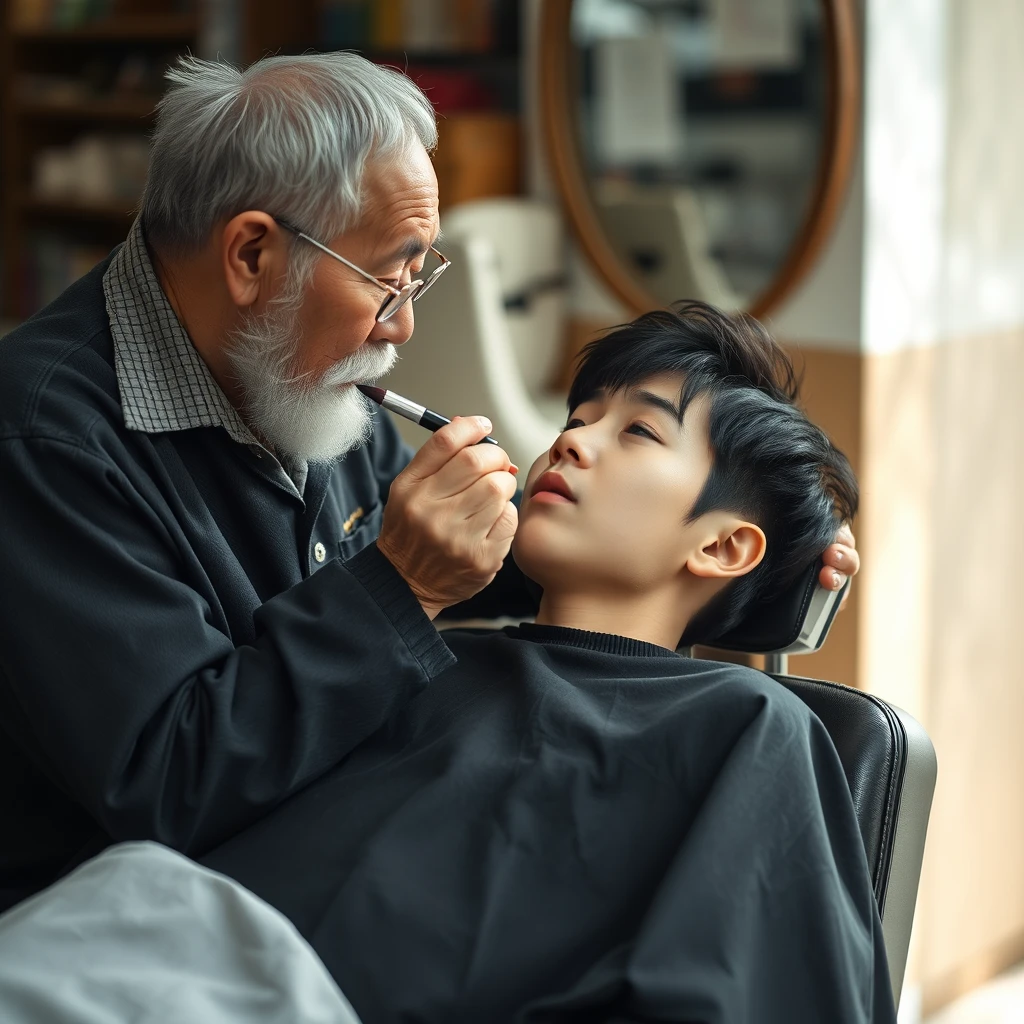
(143, 934)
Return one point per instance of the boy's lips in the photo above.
(551, 486)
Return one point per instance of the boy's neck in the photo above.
(647, 617)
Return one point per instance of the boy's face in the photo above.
(628, 473)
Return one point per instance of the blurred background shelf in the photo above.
(103, 108)
(119, 212)
(171, 27)
(80, 81)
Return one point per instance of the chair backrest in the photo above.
(795, 623)
(890, 766)
(887, 756)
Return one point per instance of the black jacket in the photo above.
(173, 659)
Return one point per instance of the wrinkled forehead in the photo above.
(401, 189)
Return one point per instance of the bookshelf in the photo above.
(80, 81)
(466, 56)
(114, 27)
(78, 86)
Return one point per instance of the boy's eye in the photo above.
(634, 428)
(641, 431)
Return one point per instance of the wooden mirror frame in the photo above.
(839, 138)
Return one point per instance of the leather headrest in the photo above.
(797, 622)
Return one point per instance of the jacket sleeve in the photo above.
(117, 685)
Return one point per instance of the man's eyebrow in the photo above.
(643, 397)
(409, 250)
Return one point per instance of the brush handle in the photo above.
(420, 414)
(435, 421)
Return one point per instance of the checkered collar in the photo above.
(164, 383)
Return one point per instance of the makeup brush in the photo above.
(410, 410)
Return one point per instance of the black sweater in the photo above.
(570, 826)
(171, 665)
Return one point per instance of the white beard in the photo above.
(316, 420)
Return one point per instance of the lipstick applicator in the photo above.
(410, 410)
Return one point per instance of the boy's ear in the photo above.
(734, 550)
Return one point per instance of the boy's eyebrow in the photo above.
(650, 398)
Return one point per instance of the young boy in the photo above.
(574, 823)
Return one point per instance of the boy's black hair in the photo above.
(769, 462)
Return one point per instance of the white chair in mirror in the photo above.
(489, 334)
(662, 235)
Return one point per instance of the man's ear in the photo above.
(733, 550)
(253, 252)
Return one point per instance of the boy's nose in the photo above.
(568, 447)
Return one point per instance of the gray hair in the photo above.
(289, 135)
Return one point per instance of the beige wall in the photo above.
(943, 488)
(930, 396)
(972, 896)
(944, 483)
(936, 434)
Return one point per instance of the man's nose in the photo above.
(396, 329)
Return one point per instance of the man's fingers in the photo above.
(467, 468)
(842, 558)
(488, 495)
(504, 528)
(831, 579)
(446, 443)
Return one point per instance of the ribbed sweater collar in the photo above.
(584, 639)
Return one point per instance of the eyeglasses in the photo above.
(397, 297)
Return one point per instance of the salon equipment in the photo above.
(887, 756)
(640, 111)
(490, 335)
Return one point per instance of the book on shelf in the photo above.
(412, 26)
(60, 14)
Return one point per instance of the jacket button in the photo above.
(319, 552)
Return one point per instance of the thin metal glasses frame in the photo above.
(397, 297)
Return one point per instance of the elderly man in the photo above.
(207, 603)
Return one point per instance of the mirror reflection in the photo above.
(701, 127)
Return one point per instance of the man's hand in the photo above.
(841, 560)
(449, 520)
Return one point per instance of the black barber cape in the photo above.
(571, 826)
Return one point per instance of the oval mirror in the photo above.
(700, 147)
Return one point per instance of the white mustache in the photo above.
(364, 366)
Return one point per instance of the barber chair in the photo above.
(662, 235)
(887, 756)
